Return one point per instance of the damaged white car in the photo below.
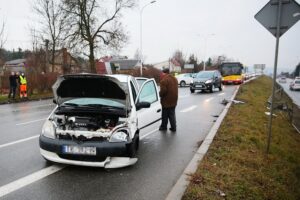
(98, 119)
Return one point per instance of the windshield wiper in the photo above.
(70, 104)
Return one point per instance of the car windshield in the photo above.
(95, 102)
(297, 82)
(231, 69)
(205, 74)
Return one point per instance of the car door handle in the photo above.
(158, 110)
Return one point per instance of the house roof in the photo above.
(15, 62)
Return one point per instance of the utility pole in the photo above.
(47, 55)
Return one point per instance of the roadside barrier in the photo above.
(283, 102)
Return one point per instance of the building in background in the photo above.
(172, 64)
(110, 65)
(17, 65)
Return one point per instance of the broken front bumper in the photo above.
(109, 155)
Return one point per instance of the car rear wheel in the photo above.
(182, 83)
(192, 90)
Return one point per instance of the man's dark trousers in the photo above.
(168, 114)
(12, 90)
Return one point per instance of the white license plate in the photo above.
(199, 86)
(79, 150)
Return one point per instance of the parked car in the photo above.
(98, 119)
(207, 80)
(282, 80)
(184, 79)
(295, 84)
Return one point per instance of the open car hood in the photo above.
(73, 86)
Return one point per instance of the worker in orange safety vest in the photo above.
(23, 86)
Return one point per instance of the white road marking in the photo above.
(209, 99)
(189, 109)
(221, 94)
(151, 132)
(36, 176)
(33, 121)
(18, 141)
(22, 182)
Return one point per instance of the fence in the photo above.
(282, 101)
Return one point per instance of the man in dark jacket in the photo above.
(168, 98)
(12, 85)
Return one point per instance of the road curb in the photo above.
(179, 188)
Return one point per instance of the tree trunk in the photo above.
(92, 59)
(53, 57)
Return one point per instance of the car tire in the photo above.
(48, 162)
(192, 90)
(182, 84)
(133, 148)
(220, 88)
(212, 88)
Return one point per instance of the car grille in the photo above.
(82, 138)
(82, 158)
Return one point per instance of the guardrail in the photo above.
(282, 101)
(296, 117)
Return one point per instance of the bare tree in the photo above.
(52, 23)
(34, 39)
(2, 36)
(179, 57)
(96, 25)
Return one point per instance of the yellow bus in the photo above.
(232, 73)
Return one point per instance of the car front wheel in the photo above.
(220, 88)
(182, 83)
(132, 151)
(192, 90)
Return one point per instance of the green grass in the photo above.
(4, 98)
(236, 163)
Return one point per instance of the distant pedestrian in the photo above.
(23, 86)
(169, 96)
(12, 85)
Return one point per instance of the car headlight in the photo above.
(48, 130)
(120, 135)
(208, 81)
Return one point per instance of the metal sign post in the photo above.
(277, 16)
(274, 75)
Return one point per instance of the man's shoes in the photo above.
(162, 129)
(172, 129)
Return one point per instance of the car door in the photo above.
(148, 93)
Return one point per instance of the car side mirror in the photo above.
(54, 101)
(143, 104)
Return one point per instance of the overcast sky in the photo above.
(227, 26)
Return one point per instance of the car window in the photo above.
(148, 93)
(297, 82)
(205, 74)
(140, 81)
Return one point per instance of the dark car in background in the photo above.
(207, 80)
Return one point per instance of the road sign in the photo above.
(267, 16)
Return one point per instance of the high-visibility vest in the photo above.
(23, 80)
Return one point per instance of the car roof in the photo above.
(121, 77)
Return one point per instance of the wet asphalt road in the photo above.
(295, 95)
(162, 156)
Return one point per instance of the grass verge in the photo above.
(4, 99)
(236, 166)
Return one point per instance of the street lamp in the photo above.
(141, 36)
(205, 44)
